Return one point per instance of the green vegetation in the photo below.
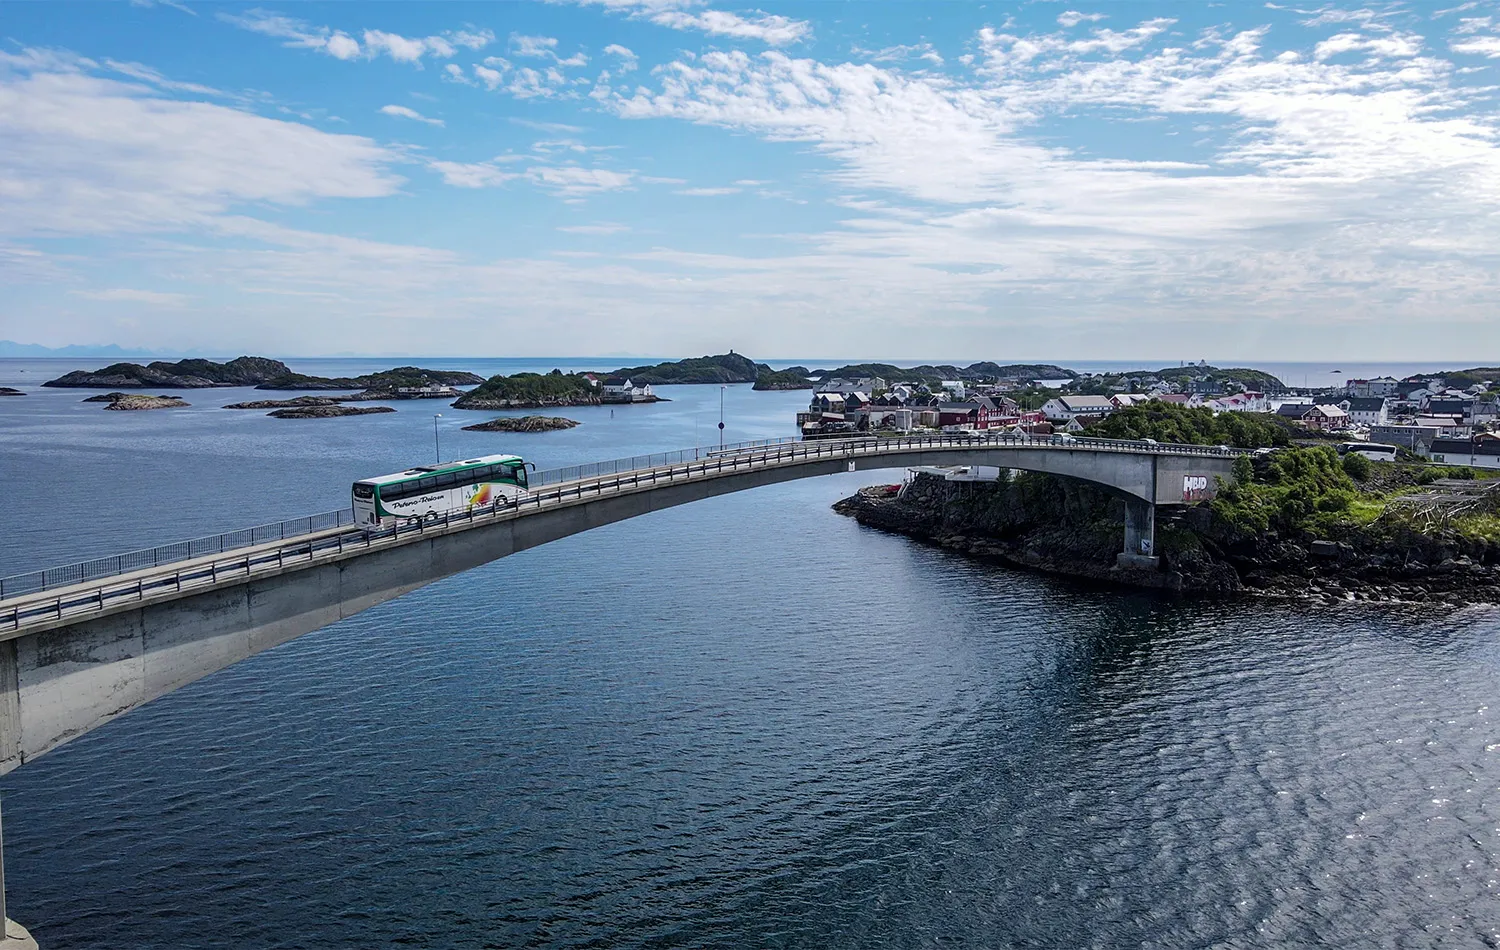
(792, 378)
(1190, 425)
(386, 380)
(1464, 378)
(932, 374)
(1252, 379)
(523, 390)
(1296, 490)
(256, 371)
(726, 368)
(1357, 467)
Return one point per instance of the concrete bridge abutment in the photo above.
(1140, 535)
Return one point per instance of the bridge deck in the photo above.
(43, 610)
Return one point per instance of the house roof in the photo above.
(617, 381)
(1085, 403)
(1332, 412)
(1293, 410)
(1487, 447)
(1365, 404)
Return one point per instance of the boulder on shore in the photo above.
(134, 401)
(326, 412)
(523, 424)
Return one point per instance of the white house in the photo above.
(1372, 411)
(1246, 401)
(624, 389)
(1123, 400)
(1479, 452)
(1064, 408)
(1378, 387)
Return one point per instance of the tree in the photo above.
(1356, 466)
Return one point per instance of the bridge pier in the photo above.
(1140, 535)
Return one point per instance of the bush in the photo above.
(1356, 466)
(1297, 490)
(1461, 472)
(1195, 425)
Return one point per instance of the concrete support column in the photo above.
(1140, 535)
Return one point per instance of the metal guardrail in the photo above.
(573, 481)
(69, 574)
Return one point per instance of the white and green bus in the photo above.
(431, 491)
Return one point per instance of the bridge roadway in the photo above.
(75, 657)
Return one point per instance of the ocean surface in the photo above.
(746, 722)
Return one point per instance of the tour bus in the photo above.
(430, 491)
(1373, 451)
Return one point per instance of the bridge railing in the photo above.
(97, 568)
(636, 463)
(738, 452)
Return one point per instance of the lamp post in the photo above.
(721, 416)
(436, 450)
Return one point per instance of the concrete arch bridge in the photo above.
(83, 644)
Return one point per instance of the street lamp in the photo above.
(435, 449)
(721, 416)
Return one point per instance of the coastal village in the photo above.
(1433, 417)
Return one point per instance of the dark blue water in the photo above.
(745, 722)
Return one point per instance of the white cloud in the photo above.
(1395, 46)
(535, 46)
(1487, 46)
(628, 60)
(569, 181)
(897, 54)
(771, 29)
(86, 154)
(129, 295)
(708, 192)
(1330, 176)
(403, 112)
(340, 45)
(297, 33)
(1072, 18)
(155, 78)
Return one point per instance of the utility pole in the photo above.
(436, 450)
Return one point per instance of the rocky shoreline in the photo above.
(1430, 570)
(523, 424)
(127, 402)
(326, 412)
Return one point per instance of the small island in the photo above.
(728, 367)
(532, 391)
(403, 382)
(285, 403)
(326, 412)
(7, 391)
(129, 402)
(795, 377)
(523, 424)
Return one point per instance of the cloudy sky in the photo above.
(1103, 180)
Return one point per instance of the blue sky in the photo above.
(907, 180)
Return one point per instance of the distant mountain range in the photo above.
(10, 348)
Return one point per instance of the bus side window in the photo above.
(519, 474)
